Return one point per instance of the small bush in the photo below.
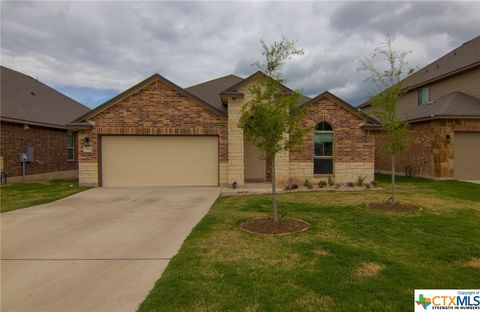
(330, 181)
(308, 184)
(322, 184)
(374, 183)
(350, 184)
(368, 185)
(338, 185)
(360, 180)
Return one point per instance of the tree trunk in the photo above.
(394, 200)
(274, 192)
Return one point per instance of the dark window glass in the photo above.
(70, 145)
(323, 144)
(323, 166)
(323, 126)
(323, 148)
(423, 95)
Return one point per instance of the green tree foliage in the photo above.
(385, 104)
(270, 118)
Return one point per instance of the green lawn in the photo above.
(15, 196)
(352, 257)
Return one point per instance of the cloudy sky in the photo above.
(93, 50)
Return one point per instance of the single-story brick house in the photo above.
(157, 133)
(34, 116)
(442, 106)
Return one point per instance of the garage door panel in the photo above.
(467, 155)
(159, 160)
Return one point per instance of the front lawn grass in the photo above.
(353, 258)
(22, 195)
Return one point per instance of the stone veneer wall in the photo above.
(429, 148)
(235, 143)
(443, 152)
(156, 109)
(354, 148)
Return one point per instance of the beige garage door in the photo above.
(159, 160)
(467, 155)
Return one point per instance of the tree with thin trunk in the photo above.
(270, 119)
(385, 104)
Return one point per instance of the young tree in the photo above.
(270, 118)
(384, 105)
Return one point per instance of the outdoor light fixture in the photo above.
(449, 138)
(86, 141)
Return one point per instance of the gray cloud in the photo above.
(112, 45)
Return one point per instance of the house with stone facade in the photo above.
(33, 118)
(158, 133)
(442, 105)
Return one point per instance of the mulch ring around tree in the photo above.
(265, 225)
(393, 208)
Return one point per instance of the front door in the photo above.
(255, 164)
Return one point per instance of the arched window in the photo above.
(323, 148)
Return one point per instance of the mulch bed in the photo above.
(393, 208)
(267, 226)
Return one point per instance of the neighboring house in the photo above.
(442, 106)
(33, 115)
(157, 133)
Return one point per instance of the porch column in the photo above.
(235, 143)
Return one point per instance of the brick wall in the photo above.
(157, 109)
(49, 149)
(418, 155)
(354, 148)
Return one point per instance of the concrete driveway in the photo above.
(99, 250)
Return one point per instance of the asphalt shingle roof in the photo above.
(24, 98)
(455, 104)
(209, 91)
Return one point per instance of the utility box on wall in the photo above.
(27, 156)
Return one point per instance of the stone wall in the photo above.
(429, 153)
(443, 151)
(235, 143)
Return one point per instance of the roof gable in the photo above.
(139, 86)
(335, 99)
(238, 85)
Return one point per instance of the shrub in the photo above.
(368, 185)
(338, 185)
(360, 180)
(374, 183)
(330, 181)
(350, 184)
(322, 184)
(308, 184)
